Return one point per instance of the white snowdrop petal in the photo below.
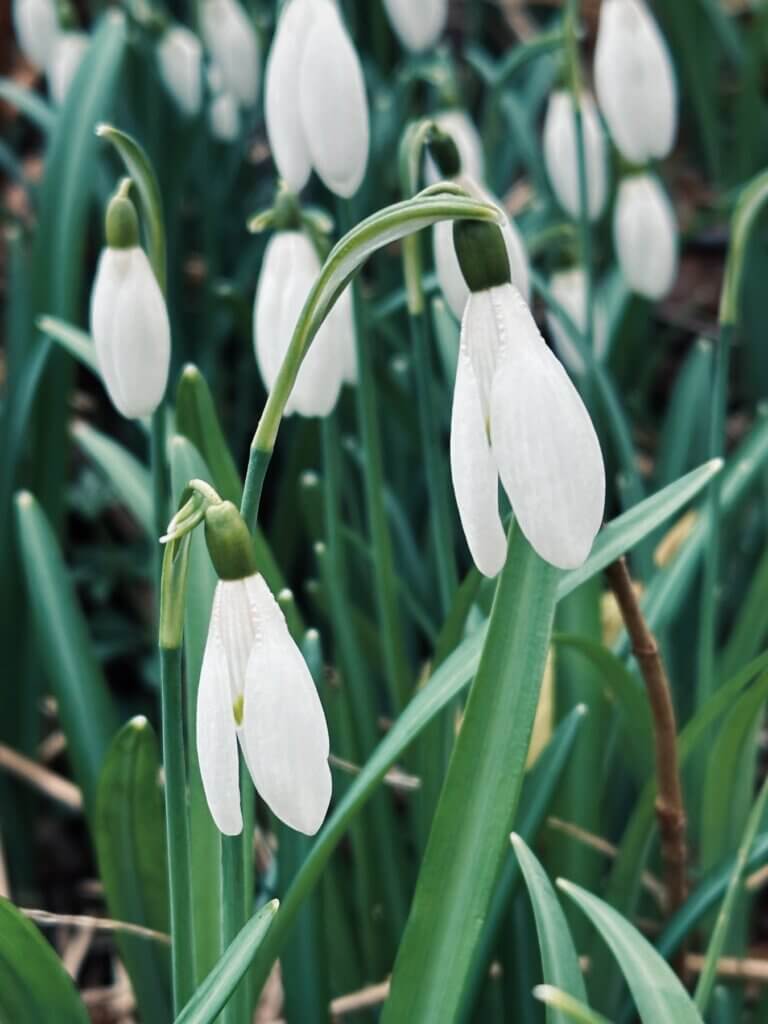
(281, 95)
(231, 38)
(545, 446)
(344, 326)
(112, 267)
(224, 117)
(561, 154)
(474, 474)
(645, 236)
(333, 104)
(216, 735)
(569, 288)
(180, 60)
(321, 374)
(69, 49)
(458, 124)
(141, 340)
(36, 25)
(635, 81)
(284, 725)
(418, 24)
(237, 629)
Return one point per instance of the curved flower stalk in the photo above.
(315, 104)
(635, 81)
(68, 51)
(452, 282)
(231, 39)
(129, 319)
(458, 125)
(569, 288)
(645, 236)
(180, 61)
(561, 155)
(36, 25)
(289, 271)
(418, 25)
(256, 691)
(517, 417)
(223, 109)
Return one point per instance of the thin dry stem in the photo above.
(670, 807)
(41, 778)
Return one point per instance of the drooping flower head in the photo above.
(418, 24)
(635, 81)
(517, 416)
(569, 289)
(231, 39)
(129, 319)
(257, 693)
(645, 236)
(561, 154)
(289, 270)
(180, 60)
(36, 24)
(69, 48)
(315, 104)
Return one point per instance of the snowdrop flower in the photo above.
(645, 236)
(256, 690)
(68, 52)
(418, 24)
(449, 275)
(517, 416)
(569, 288)
(36, 25)
(561, 154)
(289, 270)
(180, 60)
(458, 125)
(223, 110)
(129, 320)
(234, 47)
(315, 103)
(635, 81)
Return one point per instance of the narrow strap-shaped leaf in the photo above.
(559, 960)
(482, 789)
(34, 987)
(570, 1008)
(77, 342)
(85, 706)
(211, 997)
(29, 103)
(656, 989)
(127, 475)
(197, 419)
(130, 844)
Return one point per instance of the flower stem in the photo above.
(258, 461)
(233, 915)
(383, 561)
(710, 589)
(177, 828)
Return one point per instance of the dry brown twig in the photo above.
(670, 808)
(48, 782)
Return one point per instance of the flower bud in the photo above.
(36, 25)
(180, 60)
(645, 236)
(229, 542)
(418, 23)
(129, 321)
(561, 154)
(635, 81)
(230, 36)
(223, 111)
(68, 52)
(482, 254)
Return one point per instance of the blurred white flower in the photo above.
(231, 39)
(315, 104)
(418, 23)
(516, 415)
(289, 270)
(645, 236)
(458, 124)
(223, 109)
(36, 25)
(180, 60)
(68, 51)
(561, 154)
(449, 275)
(130, 328)
(255, 689)
(569, 288)
(635, 81)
